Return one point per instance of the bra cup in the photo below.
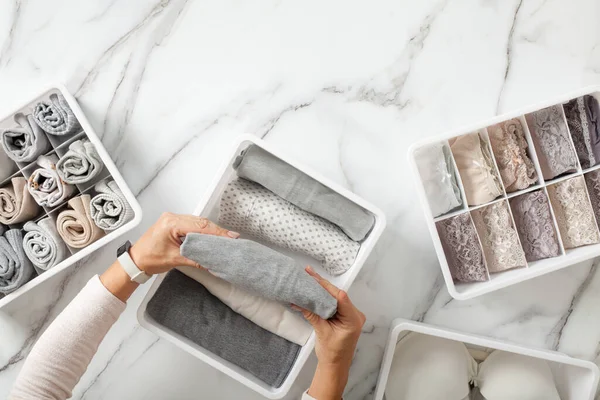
(512, 376)
(428, 367)
(480, 185)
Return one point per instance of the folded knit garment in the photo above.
(574, 213)
(80, 164)
(15, 268)
(552, 142)
(533, 219)
(45, 185)
(76, 226)
(592, 181)
(259, 270)
(55, 116)
(499, 238)
(16, 203)
(43, 245)
(26, 143)
(583, 119)
(461, 246)
(248, 207)
(7, 166)
(110, 210)
(293, 185)
(510, 149)
(184, 306)
(268, 314)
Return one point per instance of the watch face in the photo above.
(126, 246)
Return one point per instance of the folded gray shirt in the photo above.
(286, 181)
(260, 270)
(185, 306)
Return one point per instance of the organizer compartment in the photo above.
(575, 379)
(58, 147)
(544, 119)
(209, 207)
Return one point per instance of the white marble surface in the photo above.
(344, 86)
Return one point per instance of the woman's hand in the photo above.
(336, 341)
(157, 251)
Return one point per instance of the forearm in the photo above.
(329, 381)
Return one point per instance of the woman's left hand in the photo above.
(157, 251)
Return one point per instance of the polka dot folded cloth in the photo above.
(250, 208)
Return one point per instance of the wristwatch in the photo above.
(136, 274)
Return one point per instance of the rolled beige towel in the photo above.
(76, 226)
(16, 203)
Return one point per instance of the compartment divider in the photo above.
(560, 240)
(532, 152)
(464, 206)
(486, 139)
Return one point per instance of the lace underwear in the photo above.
(582, 117)
(534, 223)
(439, 178)
(552, 143)
(476, 169)
(461, 246)
(510, 149)
(574, 213)
(498, 237)
(592, 180)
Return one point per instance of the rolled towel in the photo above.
(293, 185)
(80, 164)
(76, 226)
(15, 268)
(45, 184)
(267, 314)
(248, 207)
(110, 210)
(55, 116)
(260, 270)
(7, 166)
(26, 143)
(43, 245)
(185, 307)
(16, 204)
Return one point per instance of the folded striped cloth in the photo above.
(110, 210)
(80, 164)
(43, 245)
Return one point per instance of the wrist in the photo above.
(329, 381)
(138, 259)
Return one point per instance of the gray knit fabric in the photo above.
(43, 245)
(185, 306)
(262, 167)
(45, 185)
(80, 164)
(7, 166)
(25, 143)
(55, 116)
(110, 210)
(260, 270)
(15, 269)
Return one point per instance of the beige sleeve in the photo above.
(63, 352)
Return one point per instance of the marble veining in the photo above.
(343, 86)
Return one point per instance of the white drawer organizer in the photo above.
(575, 379)
(209, 207)
(60, 145)
(461, 290)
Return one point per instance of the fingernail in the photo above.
(233, 235)
(309, 268)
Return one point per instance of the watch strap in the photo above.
(131, 269)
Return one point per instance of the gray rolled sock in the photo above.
(260, 270)
(26, 143)
(262, 167)
(15, 269)
(55, 116)
(185, 306)
(80, 164)
(43, 245)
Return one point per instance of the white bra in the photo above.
(428, 367)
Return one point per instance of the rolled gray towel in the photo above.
(43, 245)
(110, 210)
(286, 181)
(80, 164)
(260, 270)
(55, 116)
(185, 306)
(7, 166)
(15, 269)
(45, 185)
(25, 143)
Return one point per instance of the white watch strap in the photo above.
(132, 270)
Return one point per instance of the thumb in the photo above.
(309, 316)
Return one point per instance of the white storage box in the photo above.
(575, 379)
(60, 145)
(567, 257)
(209, 207)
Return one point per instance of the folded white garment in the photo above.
(267, 314)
